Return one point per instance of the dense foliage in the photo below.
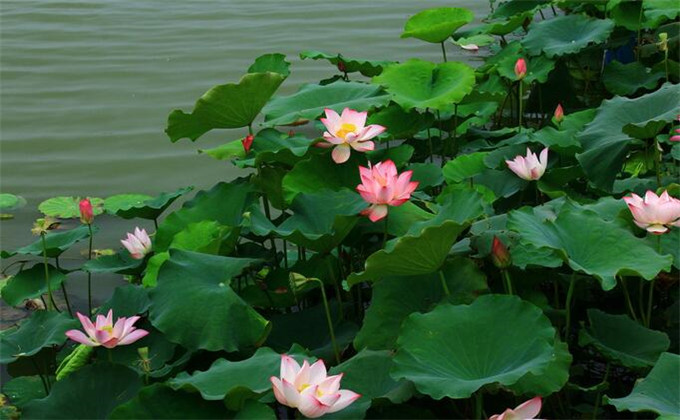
(464, 249)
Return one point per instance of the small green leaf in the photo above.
(368, 68)
(9, 202)
(57, 242)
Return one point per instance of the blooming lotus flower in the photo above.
(309, 389)
(520, 68)
(138, 244)
(559, 113)
(86, 213)
(530, 168)
(654, 213)
(247, 142)
(105, 333)
(526, 410)
(348, 131)
(381, 186)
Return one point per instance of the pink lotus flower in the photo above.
(559, 113)
(530, 168)
(654, 213)
(86, 213)
(381, 186)
(309, 389)
(247, 142)
(105, 333)
(138, 244)
(520, 68)
(526, 410)
(348, 131)
(677, 136)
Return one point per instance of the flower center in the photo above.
(345, 129)
(303, 387)
(108, 329)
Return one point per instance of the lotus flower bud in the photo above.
(520, 68)
(499, 254)
(86, 213)
(559, 113)
(342, 67)
(663, 42)
(247, 142)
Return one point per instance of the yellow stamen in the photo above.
(108, 329)
(303, 387)
(345, 129)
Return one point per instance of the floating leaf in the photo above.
(566, 34)
(129, 206)
(68, 207)
(621, 339)
(455, 350)
(9, 202)
(436, 25)
(273, 63)
(422, 84)
(225, 106)
(57, 242)
(30, 283)
(658, 392)
(41, 329)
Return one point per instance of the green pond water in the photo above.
(86, 87)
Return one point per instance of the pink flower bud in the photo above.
(86, 213)
(559, 113)
(247, 142)
(520, 68)
(499, 254)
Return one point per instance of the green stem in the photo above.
(330, 322)
(657, 163)
(641, 301)
(508, 281)
(627, 297)
(443, 51)
(429, 142)
(445, 286)
(267, 212)
(384, 241)
(337, 287)
(63, 289)
(285, 254)
(567, 304)
(479, 404)
(42, 378)
(650, 301)
(637, 49)
(89, 275)
(598, 398)
(520, 105)
(455, 131)
(665, 60)
(155, 224)
(50, 301)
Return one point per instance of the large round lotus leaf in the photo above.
(566, 34)
(658, 392)
(160, 402)
(311, 100)
(11, 202)
(411, 255)
(623, 340)
(396, 297)
(224, 203)
(41, 329)
(273, 63)
(422, 84)
(604, 141)
(236, 382)
(127, 301)
(368, 68)
(626, 79)
(89, 393)
(225, 106)
(658, 11)
(436, 25)
(457, 349)
(57, 242)
(589, 244)
(23, 389)
(195, 306)
(30, 283)
(320, 172)
(129, 206)
(552, 379)
(68, 207)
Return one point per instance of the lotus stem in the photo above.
(267, 212)
(542, 15)
(455, 130)
(385, 232)
(567, 304)
(50, 300)
(650, 301)
(443, 51)
(337, 287)
(429, 142)
(641, 302)
(665, 61)
(508, 281)
(331, 331)
(285, 254)
(657, 163)
(63, 289)
(42, 378)
(479, 405)
(445, 286)
(637, 49)
(627, 297)
(520, 105)
(155, 223)
(89, 274)
(598, 398)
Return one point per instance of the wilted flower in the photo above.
(105, 333)
(520, 68)
(247, 142)
(381, 186)
(526, 410)
(348, 130)
(530, 167)
(654, 213)
(309, 389)
(138, 244)
(86, 213)
(499, 254)
(559, 113)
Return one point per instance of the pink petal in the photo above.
(366, 194)
(317, 372)
(371, 131)
(656, 229)
(87, 324)
(543, 159)
(346, 398)
(289, 368)
(128, 326)
(377, 212)
(110, 343)
(277, 386)
(119, 328)
(470, 47)
(302, 377)
(310, 406)
(331, 384)
(363, 146)
(80, 337)
(332, 139)
(350, 116)
(290, 393)
(102, 336)
(332, 120)
(529, 409)
(341, 153)
(133, 336)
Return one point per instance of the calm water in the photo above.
(86, 87)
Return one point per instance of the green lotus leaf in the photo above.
(400, 124)
(658, 11)
(426, 174)
(555, 376)
(225, 106)
(30, 283)
(224, 321)
(626, 14)
(127, 301)
(158, 401)
(272, 63)
(129, 206)
(255, 410)
(502, 183)
(9, 202)
(538, 68)
(121, 263)
(658, 392)
(502, 27)
(57, 242)
(41, 329)
(236, 382)
(566, 34)
(224, 203)
(454, 350)
(311, 100)
(436, 25)
(271, 145)
(464, 166)
(513, 7)
(591, 245)
(421, 84)
(320, 172)
(604, 141)
(480, 40)
(623, 340)
(626, 79)
(411, 255)
(396, 297)
(368, 68)
(23, 389)
(68, 207)
(90, 393)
